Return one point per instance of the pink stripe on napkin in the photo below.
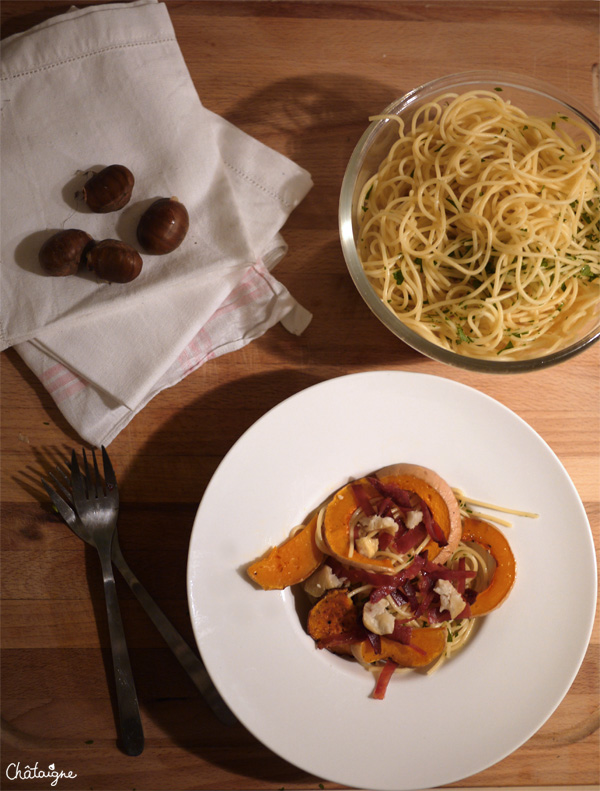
(61, 382)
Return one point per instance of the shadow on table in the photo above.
(314, 114)
(317, 120)
(166, 695)
(155, 539)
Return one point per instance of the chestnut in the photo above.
(114, 261)
(108, 190)
(163, 226)
(62, 253)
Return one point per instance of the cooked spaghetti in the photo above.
(397, 569)
(466, 558)
(481, 228)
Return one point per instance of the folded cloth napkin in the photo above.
(104, 85)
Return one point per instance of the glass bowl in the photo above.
(530, 95)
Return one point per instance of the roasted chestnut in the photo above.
(163, 226)
(114, 261)
(108, 190)
(62, 254)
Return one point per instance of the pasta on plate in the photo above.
(481, 228)
(397, 569)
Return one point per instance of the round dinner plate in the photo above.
(315, 709)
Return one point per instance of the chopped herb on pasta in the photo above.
(481, 228)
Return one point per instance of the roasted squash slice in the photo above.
(492, 540)
(289, 563)
(429, 645)
(333, 615)
(439, 497)
(336, 529)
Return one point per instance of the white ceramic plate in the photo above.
(314, 709)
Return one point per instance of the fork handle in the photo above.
(183, 653)
(130, 723)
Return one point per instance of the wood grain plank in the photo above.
(302, 77)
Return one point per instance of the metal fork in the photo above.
(98, 509)
(183, 653)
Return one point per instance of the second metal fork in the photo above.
(98, 510)
(184, 654)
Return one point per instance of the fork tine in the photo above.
(66, 479)
(86, 474)
(77, 479)
(99, 487)
(62, 473)
(63, 508)
(62, 489)
(109, 474)
(92, 483)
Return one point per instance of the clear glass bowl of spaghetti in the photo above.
(469, 220)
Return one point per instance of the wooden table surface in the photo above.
(303, 78)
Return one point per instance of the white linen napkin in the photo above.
(104, 85)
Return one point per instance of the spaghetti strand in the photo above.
(481, 228)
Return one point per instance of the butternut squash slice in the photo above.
(289, 563)
(334, 614)
(439, 497)
(492, 540)
(429, 645)
(336, 530)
